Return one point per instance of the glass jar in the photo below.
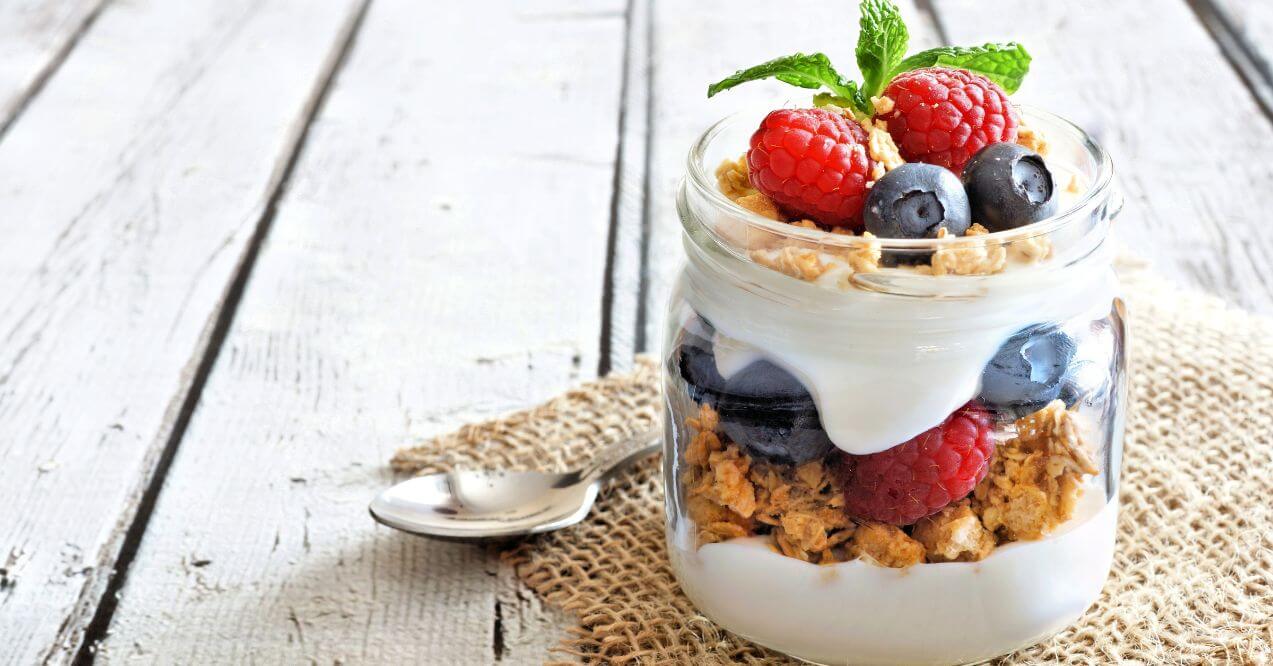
(894, 451)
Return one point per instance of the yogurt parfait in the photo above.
(894, 364)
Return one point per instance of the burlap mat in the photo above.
(1191, 579)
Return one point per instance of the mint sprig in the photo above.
(881, 55)
(882, 42)
(807, 71)
(1005, 64)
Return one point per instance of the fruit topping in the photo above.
(914, 201)
(943, 116)
(813, 163)
(1009, 186)
(921, 476)
(1028, 370)
(769, 413)
(881, 57)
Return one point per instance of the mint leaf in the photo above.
(824, 99)
(812, 71)
(1005, 64)
(882, 44)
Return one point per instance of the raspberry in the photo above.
(942, 116)
(921, 476)
(812, 162)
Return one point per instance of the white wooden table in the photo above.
(250, 247)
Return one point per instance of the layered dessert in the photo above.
(894, 370)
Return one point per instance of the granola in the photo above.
(887, 546)
(954, 534)
(797, 262)
(1031, 250)
(1031, 139)
(729, 495)
(1036, 478)
(734, 179)
(881, 148)
(1033, 484)
(972, 257)
(760, 205)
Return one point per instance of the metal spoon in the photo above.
(497, 503)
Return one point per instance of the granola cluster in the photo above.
(729, 495)
(1032, 486)
(1036, 478)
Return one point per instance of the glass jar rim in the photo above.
(703, 181)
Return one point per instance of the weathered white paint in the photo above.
(437, 258)
(1191, 147)
(128, 190)
(34, 37)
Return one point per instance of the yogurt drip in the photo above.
(883, 367)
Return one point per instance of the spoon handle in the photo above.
(624, 454)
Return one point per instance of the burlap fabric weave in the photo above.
(1191, 581)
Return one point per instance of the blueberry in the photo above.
(914, 201)
(1009, 186)
(698, 368)
(697, 362)
(1029, 369)
(770, 414)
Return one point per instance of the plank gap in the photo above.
(51, 67)
(497, 642)
(643, 285)
(223, 317)
(605, 354)
(1242, 56)
(927, 8)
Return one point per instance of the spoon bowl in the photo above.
(485, 504)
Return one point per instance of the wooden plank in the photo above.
(35, 38)
(625, 279)
(437, 258)
(1190, 144)
(130, 189)
(1241, 28)
(697, 43)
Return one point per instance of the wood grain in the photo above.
(438, 258)
(130, 189)
(696, 44)
(35, 38)
(1189, 142)
(1241, 28)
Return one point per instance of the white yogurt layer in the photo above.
(881, 367)
(948, 613)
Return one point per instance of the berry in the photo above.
(698, 368)
(914, 201)
(1009, 186)
(697, 362)
(921, 476)
(813, 163)
(943, 116)
(770, 414)
(1029, 369)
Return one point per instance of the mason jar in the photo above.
(894, 451)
